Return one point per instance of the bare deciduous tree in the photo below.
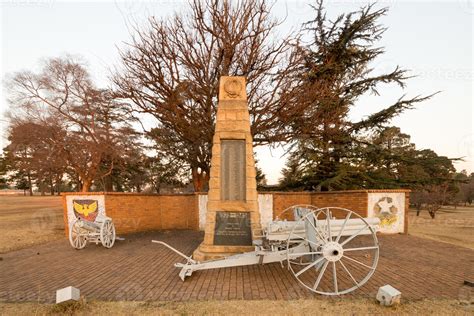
(172, 68)
(63, 96)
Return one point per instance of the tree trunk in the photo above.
(58, 185)
(200, 180)
(86, 185)
(29, 184)
(432, 210)
(42, 188)
(418, 209)
(157, 187)
(108, 184)
(51, 184)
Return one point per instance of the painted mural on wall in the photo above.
(86, 207)
(390, 209)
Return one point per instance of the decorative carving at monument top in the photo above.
(233, 88)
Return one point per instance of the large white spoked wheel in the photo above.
(77, 235)
(107, 233)
(341, 251)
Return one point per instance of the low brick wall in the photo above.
(353, 200)
(152, 212)
(133, 212)
(143, 212)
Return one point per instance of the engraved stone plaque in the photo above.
(233, 229)
(233, 162)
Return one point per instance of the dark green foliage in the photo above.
(385, 160)
(334, 72)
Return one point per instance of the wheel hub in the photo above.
(332, 251)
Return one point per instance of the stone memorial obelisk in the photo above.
(232, 219)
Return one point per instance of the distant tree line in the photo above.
(66, 133)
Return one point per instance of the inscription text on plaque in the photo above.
(232, 229)
(233, 162)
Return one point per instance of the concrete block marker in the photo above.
(388, 295)
(67, 294)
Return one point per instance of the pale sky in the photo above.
(434, 39)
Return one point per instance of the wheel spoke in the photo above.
(343, 226)
(334, 274)
(320, 276)
(361, 248)
(309, 266)
(356, 261)
(344, 267)
(354, 235)
(328, 221)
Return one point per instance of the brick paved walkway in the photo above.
(136, 269)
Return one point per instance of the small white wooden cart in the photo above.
(101, 230)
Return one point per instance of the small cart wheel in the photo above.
(107, 233)
(77, 235)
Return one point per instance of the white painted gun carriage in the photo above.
(330, 251)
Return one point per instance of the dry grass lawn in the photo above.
(296, 307)
(454, 226)
(25, 221)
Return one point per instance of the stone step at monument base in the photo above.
(212, 252)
